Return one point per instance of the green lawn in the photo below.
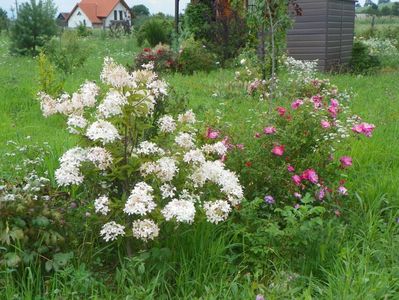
(364, 263)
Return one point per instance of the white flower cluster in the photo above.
(167, 191)
(194, 156)
(215, 172)
(188, 117)
(145, 229)
(167, 124)
(149, 148)
(112, 104)
(217, 211)
(75, 123)
(102, 131)
(181, 210)
(111, 230)
(217, 148)
(381, 47)
(301, 70)
(101, 205)
(140, 201)
(185, 140)
(69, 171)
(67, 105)
(100, 157)
(164, 168)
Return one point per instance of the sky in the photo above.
(165, 6)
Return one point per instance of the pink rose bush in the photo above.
(138, 180)
(298, 153)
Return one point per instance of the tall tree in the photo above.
(4, 21)
(140, 10)
(395, 9)
(35, 24)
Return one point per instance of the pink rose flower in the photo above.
(310, 175)
(334, 103)
(212, 134)
(325, 124)
(281, 111)
(346, 161)
(278, 150)
(364, 128)
(297, 180)
(296, 103)
(317, 101)
(333, 111)
(269, 130)
(257, 135)
(290, 168)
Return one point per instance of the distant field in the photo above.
(363, 23)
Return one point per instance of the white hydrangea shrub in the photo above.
(171, 177)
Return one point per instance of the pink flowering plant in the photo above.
(296, 149)
(140, 169)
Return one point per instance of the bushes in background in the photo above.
(362, 61)
(67, 52)
(155, 30)
(34, 26)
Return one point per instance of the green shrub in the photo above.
(193, 56)
(34, 26)
(83, 31)
(224, 35)
(362, 61)
(31, 224)
(67, 52)
(155, 31)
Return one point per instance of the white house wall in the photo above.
(75, 20)
(118, 7)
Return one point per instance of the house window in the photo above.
(121, 15)
(79, 13)
(115, 15)
(84, 23)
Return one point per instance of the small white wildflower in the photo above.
(101, 205)
(167, 191)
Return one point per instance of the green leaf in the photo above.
(41, 221)
(12, 260)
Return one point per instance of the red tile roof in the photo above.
(95, 10)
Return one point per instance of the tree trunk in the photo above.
(177, 16)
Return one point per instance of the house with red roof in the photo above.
(98, 13)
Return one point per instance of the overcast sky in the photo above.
(165, 6)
